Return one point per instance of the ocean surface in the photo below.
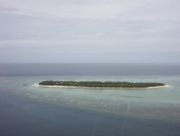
(29, 110)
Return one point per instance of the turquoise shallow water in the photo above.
(31, 110)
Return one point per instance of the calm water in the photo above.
(27, 110)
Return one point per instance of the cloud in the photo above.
(103, 26)
(101, 9)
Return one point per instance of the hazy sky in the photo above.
(90, 31)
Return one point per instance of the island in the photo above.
(103, 84)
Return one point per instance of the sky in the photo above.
(89, 31)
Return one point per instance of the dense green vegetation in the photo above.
(99, 84)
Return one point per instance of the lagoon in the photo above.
(31, 110)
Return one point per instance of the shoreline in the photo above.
(61, 86)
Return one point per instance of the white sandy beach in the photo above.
(58, 86)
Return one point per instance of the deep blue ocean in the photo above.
(29, 110)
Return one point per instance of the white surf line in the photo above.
(56, 86)
(60, 86)
(35, 85)
(50, 86)
(165, 86)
